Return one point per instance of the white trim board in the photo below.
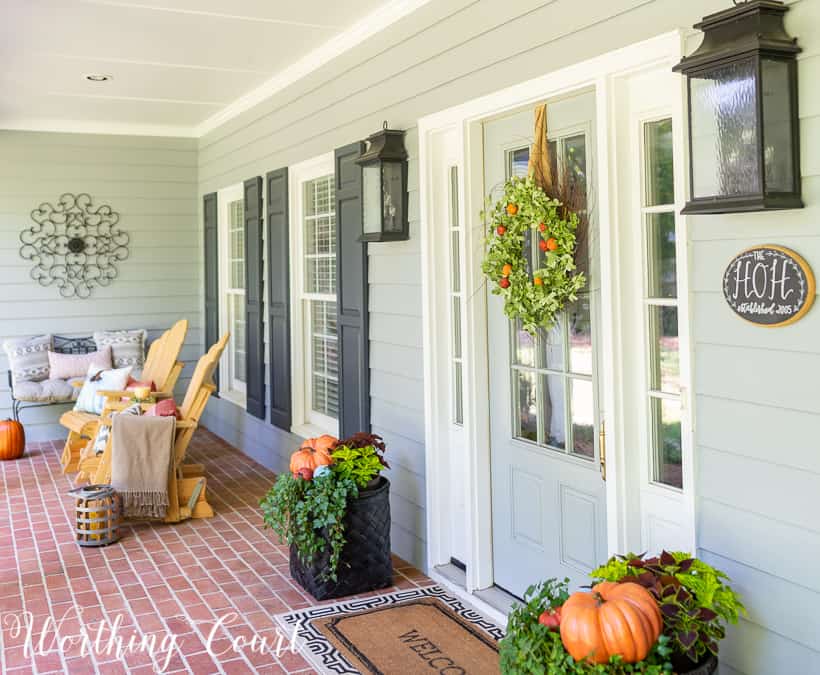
(460, 127)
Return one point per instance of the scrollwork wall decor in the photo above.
(74, 245)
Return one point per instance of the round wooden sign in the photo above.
(769, 286)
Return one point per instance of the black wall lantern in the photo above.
(744, 136)
(384, 187)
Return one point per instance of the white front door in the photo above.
(548, 492)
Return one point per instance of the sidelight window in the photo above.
(661, 305)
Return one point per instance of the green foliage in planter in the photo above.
(360, 465)
(309, 514)
(530, 648)
(694, 598)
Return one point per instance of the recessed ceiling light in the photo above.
(97, 77)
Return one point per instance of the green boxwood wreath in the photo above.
(524, 207)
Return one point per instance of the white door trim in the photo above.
(463, 124)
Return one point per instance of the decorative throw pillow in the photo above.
(105, 431)
(164, 408)
(28, 358)
(100, 380)
(134, 383)
(66, 366)
(127, 346)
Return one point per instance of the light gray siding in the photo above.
(758, 418)
(447, 52)
(152, 183)
(757, 413)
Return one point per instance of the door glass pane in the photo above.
(552, 151)
(660, 249)
(554, 406)
(526, 413)
(664, 350)
(575, 163)
(519, 162)
(583, 419)
(523, 345)
(455, 253)
(660, 182)
(666, 435)
(724, 130)
(456, 327)
(580, 336)
(458, 394)
(552, 346)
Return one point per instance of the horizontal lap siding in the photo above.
(455, 50)
(443, 54)
(152, 183)
(758, 418)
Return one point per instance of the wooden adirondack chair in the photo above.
(186, 482)
(162, 367)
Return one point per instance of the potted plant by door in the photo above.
(650, 615)
(333, 511)
(695, 600)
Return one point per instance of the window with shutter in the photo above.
(315, 339)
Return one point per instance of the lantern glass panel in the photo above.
(393, 197)
(372, 198)
(777, 126)
(724, 129)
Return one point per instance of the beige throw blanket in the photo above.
(140, 463)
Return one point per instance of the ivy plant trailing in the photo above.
(535, 296)
(309, 514)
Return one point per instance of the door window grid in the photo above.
(553, 397)
(661, 305)
(319, 297)
(456, 301)
(235, 293)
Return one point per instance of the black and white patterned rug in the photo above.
(327, 660)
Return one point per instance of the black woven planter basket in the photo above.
(365, 563)
(706, 667)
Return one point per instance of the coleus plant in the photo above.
(694, 598)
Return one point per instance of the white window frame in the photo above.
(230, 388)
(306, 422)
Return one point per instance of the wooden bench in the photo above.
(62, 345)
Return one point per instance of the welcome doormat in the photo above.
(422, 630)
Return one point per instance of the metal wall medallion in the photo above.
(74, 245)
(769, 286)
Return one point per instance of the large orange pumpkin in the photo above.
(12, 440)
(314, 453)
(323, 444)
(614, 619)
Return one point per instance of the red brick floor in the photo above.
(208, 582)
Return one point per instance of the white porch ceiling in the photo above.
(177, 66)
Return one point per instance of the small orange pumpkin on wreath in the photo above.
(534, 291)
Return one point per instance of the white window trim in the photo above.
(229, 388)
(305, 423)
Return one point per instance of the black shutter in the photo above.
(211, 227)
(279, 298)
(351, 287)
(254, 301)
